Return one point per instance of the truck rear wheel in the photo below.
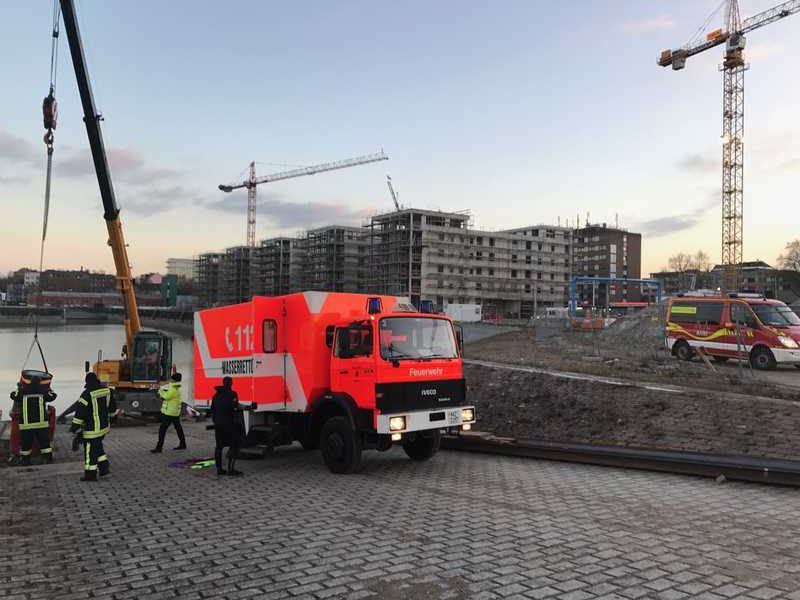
(422, 446)
(341, 446)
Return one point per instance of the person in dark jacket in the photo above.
(92, 417)
(30, 402)
(228, 425)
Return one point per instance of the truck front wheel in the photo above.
(422, 445)
(341, 446)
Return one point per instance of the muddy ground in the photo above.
(630, 349)
(721, 409)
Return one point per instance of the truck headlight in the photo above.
(468, 414)
(788, 342)
(397, 423)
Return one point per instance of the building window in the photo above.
(513, 258)
(491, 272)
(478, 270)
(440, 269)
(491, 241)
(479, 286)
(513, 274)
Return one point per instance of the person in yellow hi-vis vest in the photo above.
(171, 403)
(92, 416)
(30, 401)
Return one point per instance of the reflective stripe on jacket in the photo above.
(171, 399)
(92, 412)
(33, 414)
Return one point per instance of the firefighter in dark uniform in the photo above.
(30, 401)
(228, 425)
(95, 406)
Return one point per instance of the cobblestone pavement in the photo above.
(459, 526)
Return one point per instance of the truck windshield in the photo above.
(776, 315)
(417, 338)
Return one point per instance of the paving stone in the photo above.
(291, 529)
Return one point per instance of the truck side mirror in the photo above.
(86, 366)
(460, 339)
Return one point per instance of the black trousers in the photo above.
(226, 435)
(41, 434)
(94, 458)
(166, 421)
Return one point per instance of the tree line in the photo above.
(700, 261)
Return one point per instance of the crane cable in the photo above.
(50, 119)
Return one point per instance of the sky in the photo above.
(519, 111)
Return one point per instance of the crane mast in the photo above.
(733, 68)
(252, 182)
(92, 119)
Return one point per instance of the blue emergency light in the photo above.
(374, 306)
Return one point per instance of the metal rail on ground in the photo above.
(735, 468)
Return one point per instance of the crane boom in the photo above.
(92, 119)
(252, 182)
(776, 13)
(332, 166)
(392, 192)
(677, 58)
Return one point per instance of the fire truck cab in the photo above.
(342, 372)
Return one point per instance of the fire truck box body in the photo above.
(391, 373)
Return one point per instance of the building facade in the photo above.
(277, 266)
(602, 251)
(181, 267)
(427, 255)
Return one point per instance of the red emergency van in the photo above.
(746, 326)
(342, 372)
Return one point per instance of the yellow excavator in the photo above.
(146, 361)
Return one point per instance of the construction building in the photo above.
(602, 251)
(756, 276)
(337, 259)
(429, 255)
(235, 275)
(181, 267)
(277, 266)
(207, 278)
(438, 256)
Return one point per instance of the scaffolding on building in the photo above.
(337, 259)
(206, 275)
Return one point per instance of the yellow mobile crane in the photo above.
(146, 360)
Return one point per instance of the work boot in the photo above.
(221, 471)
(89, 476)
(25, 461)
(47, 459)
(103, 468)
(180, 447)
(155, 450)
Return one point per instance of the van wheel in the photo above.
(423, 446)
(682, 350)
(341, 447)
(762, 358)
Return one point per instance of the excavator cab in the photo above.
(151, 360)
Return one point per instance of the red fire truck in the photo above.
(342, 372)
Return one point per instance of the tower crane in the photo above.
(253, 181)
(392, 192)
(733, 68)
